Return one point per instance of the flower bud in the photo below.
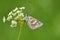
(4, 19)
(13, 23)
(9, 18)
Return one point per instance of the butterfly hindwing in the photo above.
(32, 22)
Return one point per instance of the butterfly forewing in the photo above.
(33, 23)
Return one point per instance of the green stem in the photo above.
(19, 34)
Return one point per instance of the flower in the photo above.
(9, 17)
(22, 8)
(15, 9)
(21, 14)
(14, 14)
(17, 18)
(19, 11)
(4, 19)
(10, 13)
(23, 19)
(13, 23)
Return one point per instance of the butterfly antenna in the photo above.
(27, 16)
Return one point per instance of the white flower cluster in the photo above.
(14, 16)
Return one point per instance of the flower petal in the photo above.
(9, 17)
(10, 13)
(21, 14)
(4, 19)
(15, 9)
(13, 23)
(22, 8)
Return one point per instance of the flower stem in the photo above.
(19, 34)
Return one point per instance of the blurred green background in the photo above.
(47, 11)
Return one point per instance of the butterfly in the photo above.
(32, 22)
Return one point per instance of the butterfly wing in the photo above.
(33, 23)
